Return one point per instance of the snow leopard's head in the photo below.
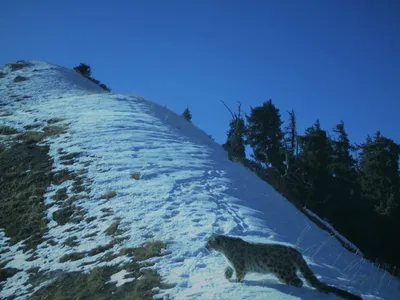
(215, 242)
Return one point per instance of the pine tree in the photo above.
(84, 69)
(345, 188)
(187, 115)
(291, 147)
(379, 166)
(343, 164)
(265, 136)
(313, 160)
(235, 138)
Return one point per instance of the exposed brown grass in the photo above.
(5, 114)
(96, 285)
(6, 130)
(32, 137)
(112, 229)
(62, 176)
(17, 66)
(20, 78)
(54, 120)
(32, 126)
(26, 170)
(72, 256)
(71, 241)
(149, 249)
(70, 156)
(136, 175)
(109, 195)
(61, 194)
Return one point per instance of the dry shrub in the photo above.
(136, 175)
(20, 78)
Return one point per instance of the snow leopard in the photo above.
(281, 260)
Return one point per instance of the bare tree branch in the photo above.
(233, 115)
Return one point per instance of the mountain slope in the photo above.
(185, 189)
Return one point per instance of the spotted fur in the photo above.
(280, 260)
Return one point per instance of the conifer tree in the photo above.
(265, 136)
(235, 139)
(235, 136)
(291, 146)
(379, 166)
(344, 184)
(84, 69)
(187, 115)
(314, 159)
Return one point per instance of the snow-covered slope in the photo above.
(187, 189)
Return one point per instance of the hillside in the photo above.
(107, 196)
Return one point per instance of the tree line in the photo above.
(355, 187)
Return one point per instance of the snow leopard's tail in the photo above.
(319, 285)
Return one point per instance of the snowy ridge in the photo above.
(188, 189)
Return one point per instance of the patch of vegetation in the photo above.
(148, 235)
(136, 175)
(109, 195)
(63, 215)
(62, 176)
(71, 241)
(33, 257)
(54, 130)
(52, 242)
(22, 209)
(72, 256)
(85, 163)
(100, 249)
(54, 120)
(20, 78)
(90, 219)
(89, 235)
(68, 214)
(33, 126)
(68, 159)
(7, 273)
(74, 198)
(82, 171)
(112, 229)
(108, 257)
(6, 130)
(96, 285)
(61, 194)
(67, 162)
(17, 66)
(32, 137)
(78, 185)
(70, 156)
(148, 250)
(5, 114)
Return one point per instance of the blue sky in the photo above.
(328, 60)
